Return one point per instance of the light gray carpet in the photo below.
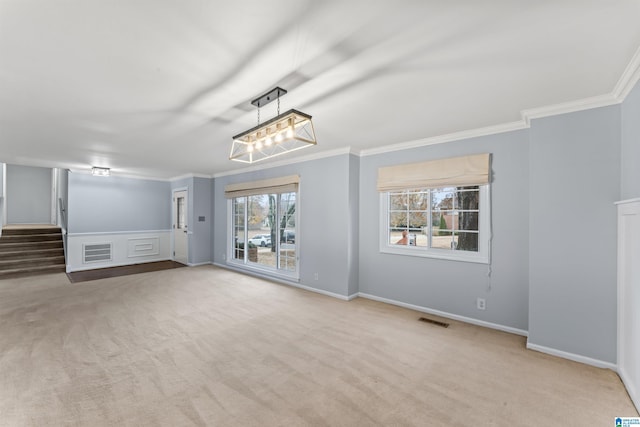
(209, 347)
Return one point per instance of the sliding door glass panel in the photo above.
(259, 231)
(239, 208)
(287, 231)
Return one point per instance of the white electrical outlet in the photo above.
(481, 304)
(315, 276)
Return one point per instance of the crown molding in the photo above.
(314, 156)
(450, 137)
(189, 175)
(569, 107)
(626, 83)
(629, 78)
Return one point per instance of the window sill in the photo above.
(436, 254)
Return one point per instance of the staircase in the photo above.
(29, 250)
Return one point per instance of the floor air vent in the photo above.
(97, 252)
(434, 322)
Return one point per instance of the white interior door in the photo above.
(180, 227)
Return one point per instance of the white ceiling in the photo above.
(157, 88)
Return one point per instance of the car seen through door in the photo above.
(262, 240)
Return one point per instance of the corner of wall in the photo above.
(353, 285)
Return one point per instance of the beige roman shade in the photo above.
(454, 171)
(285, 184)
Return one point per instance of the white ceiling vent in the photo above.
(96, 252)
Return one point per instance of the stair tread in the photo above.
(47, 239)
(29, 267)
(46, 242)
(35, 268)
(46, 258)
(34, 230)
(30, 251)
(30, 255)
(6, 274)
(29, 236)
(30, 232)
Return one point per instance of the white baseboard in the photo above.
(198, 264)
(631, 388)
(385, 300)
(286, 282)
(446, 315)
(571, 356)
(320, 291)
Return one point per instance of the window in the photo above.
(180, 219)
(437, 208)
(447, 222)
(263, 226)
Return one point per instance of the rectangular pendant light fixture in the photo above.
(98, 171)
(289, 131)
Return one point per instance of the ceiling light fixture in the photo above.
(289, 131)
(98, 171)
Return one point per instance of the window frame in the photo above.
(484, 233)
(290, 275)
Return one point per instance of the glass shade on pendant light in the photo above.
(290, 131)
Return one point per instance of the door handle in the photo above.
(185, 231)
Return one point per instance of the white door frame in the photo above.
(174, 221)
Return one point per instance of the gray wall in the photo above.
(109, 204)
(574, 181)
(353, 241)
(452, 286)
(201, 238)
(28, 195)
(630, 185)
(324, 219)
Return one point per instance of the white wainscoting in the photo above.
(629, 297)
(130, 247)
(143, 247)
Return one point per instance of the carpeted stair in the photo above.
(30, 251)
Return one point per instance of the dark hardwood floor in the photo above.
(103, 273)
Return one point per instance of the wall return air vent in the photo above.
(96, 252)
